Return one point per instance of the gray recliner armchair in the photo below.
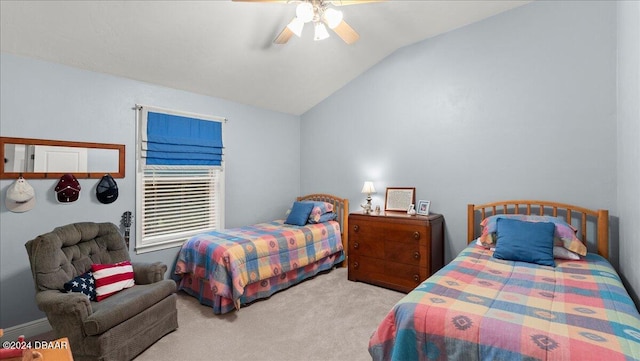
(116, 328)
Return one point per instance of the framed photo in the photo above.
(423, 207)
(399, 199)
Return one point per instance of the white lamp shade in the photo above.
(332, 17)
(321, 32)
(368, 188)
(296, 26)
(304, 12)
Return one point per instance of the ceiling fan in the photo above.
(322, 15)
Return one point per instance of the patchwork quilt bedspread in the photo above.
(481, 308)
(234, 258)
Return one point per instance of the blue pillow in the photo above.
(299, 213)
(85, 283)
(525, 241)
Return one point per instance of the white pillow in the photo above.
(479, 243)
(561, 252)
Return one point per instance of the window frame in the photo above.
(142, 245)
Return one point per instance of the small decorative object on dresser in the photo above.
(399, 199)
(395, 250)
(412, 210)
(423, 207)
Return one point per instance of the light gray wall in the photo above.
(50, 101)
(518, 106)
(629, 142)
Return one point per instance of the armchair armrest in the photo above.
(146, 273)
(57, 302)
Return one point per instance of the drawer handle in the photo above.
(416, 278)
(356, 245)
(356, 265)
(356, 228)
(416, 235)
(416, 255)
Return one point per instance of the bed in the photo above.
(479, 307)
(234, 267)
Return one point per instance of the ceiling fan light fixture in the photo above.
(305, 12)
(332, 17)
(296, 26)
(321, 32)
(322, 15)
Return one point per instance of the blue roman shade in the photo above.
(178, 140)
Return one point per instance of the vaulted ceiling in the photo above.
(223, 48)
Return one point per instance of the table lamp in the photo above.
(368, 189)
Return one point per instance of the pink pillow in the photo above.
(112, 278)
(320, 208)
(564, 233)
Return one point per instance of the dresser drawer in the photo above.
(406, 233)
(399, 276)
(365, 229)
(404, 252)
(409, 253)
(367, 247)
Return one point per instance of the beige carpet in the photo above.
(324, 318)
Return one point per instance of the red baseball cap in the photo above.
(68, 189)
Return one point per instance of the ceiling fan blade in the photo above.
(352, 2)
(284, 36)
(346, 33)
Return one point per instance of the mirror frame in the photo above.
(36, 175)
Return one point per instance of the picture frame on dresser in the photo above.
(399, 198)
(423, 207)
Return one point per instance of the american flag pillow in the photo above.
(85, 283)
(112, 278)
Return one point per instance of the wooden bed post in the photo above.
(470, 222)
(603, 233)
(345, 231)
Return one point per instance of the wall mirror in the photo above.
(42, 158)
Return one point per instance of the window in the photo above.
(180, 177)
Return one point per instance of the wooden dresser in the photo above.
(395, 250)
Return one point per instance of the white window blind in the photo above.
(176, 202)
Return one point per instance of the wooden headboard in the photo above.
(576, 216)
(341, 207)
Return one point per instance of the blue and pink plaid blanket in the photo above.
(230, 261)
(481, 308)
